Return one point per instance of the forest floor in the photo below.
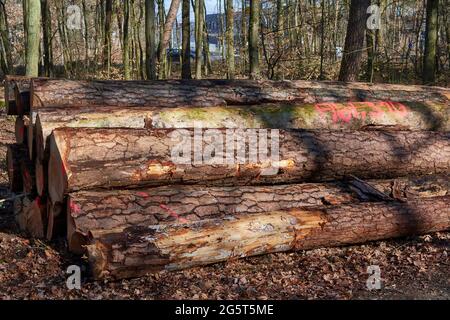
(412, 268)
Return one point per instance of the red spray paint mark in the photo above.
(345, 112)
(74, 208)
(173, 213)
(142, 194)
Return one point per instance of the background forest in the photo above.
(409, 41)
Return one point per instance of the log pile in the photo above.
(94, 163)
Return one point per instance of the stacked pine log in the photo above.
(93, 163)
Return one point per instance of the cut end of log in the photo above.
(57, 176)
(75, 239)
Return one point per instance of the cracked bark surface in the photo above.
(135, 251)
(413, 115)
(83, 158)
(180, 93)
(95, 210)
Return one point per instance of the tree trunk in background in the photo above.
(107, 35)
(198, 93)
(370, 40)
(126, 39)
(431, 35)
(186, 42)
(354, 40)
(86, 35)
(253, 39)
(162, 58)
(33, 37)
(5, 53)
(207, 69)
(230, 39)
(150, 39)
(46, 37)
(138, 250)
(198, 38)
(103, 210)
(168, 26)
(447, 27)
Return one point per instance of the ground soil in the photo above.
(411, 268)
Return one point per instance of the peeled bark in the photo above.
(95, 210)
(82, 158)
(135, 251)
(15, 154)
(415, 116)
(205, 93)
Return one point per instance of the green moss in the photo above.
(2, 104)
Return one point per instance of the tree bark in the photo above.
(168, 25)
(139, 157)
(15, 154)
(354, 116)
(102, 210)
(135, 251)
(431, 35)
(180, 93)
(186, 41)
(107, 35)
(47, 37)
(253, 40)
(126, 40)
(230, 39)
(198, 38)
(150, 39)
(354, 41)
(6, 63)
(33, 37)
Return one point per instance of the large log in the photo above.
(15, 155)
(179, 93)
(415, 116)
(95, 210)
(82, 158)
(135, 251)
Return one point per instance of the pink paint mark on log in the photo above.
(142, 194)
(74, 208)
(345, 112)
(173, 213)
